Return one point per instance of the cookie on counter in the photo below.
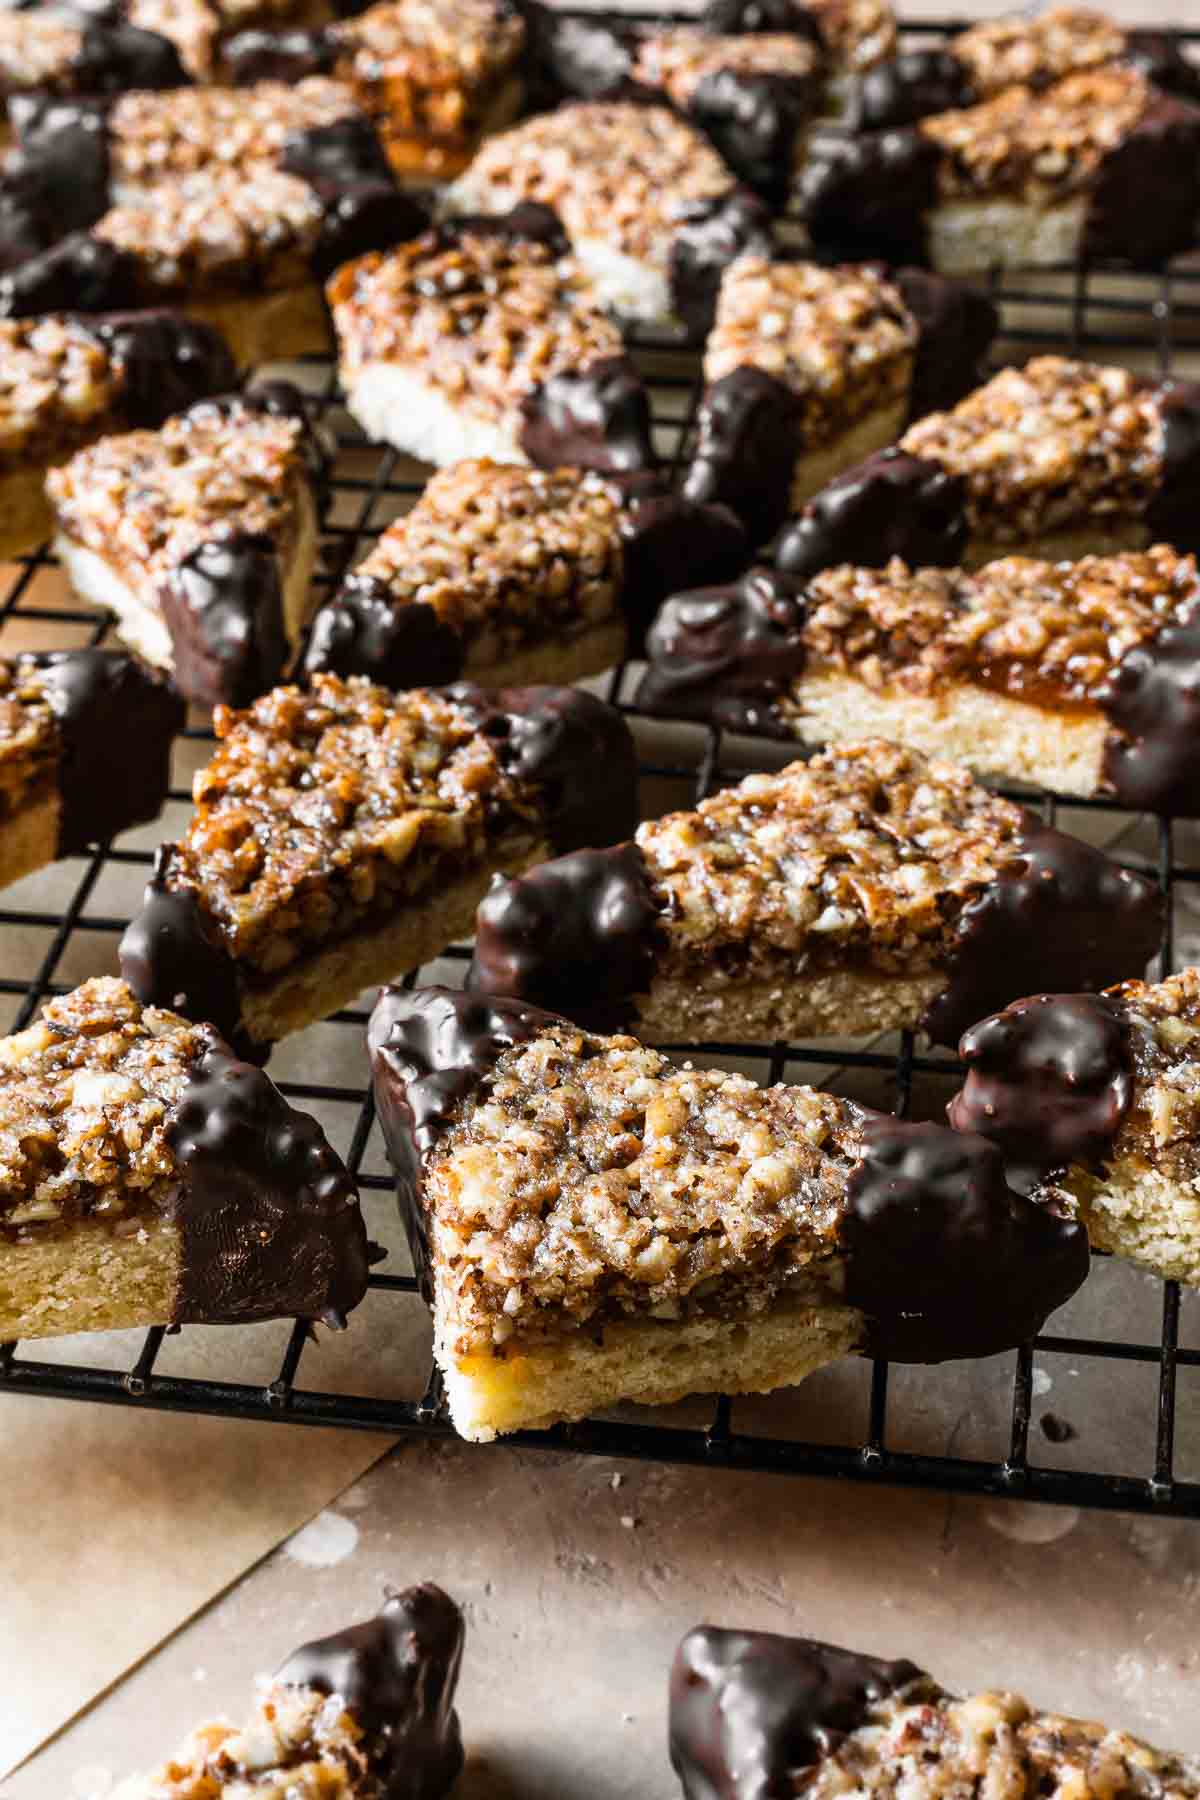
(755, 1713)
(592, 1225)
(345, 834)
(484, 338)
(511, 575)
(367, 1714)
(808, 370)
(1059, 459)
(201, 538)
(864, 891)
(147, 1177)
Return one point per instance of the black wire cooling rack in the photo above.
(870, 1435)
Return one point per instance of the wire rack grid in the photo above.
(914, 1429)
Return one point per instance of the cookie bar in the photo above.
(367, 1714)
(66, 381)
(754, 1713)
(54, 50)
(513, 575)
(808, 370)
(1094, 1100)
(201, 538)
(484, 338)
(203, 32)
(591, 1225)
(866, 890)
(652, 213)
(67, 720)
(1027, 50)
(147, 1177)
(1058, 459)
(346, 834)
(1103, 164)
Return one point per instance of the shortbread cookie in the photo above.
(807, 370)
(754, 1713)
(203, 31)
(591, 1225)
(66, 381)
(652, 213)
(85, 752)
(1102, 164)
(484, 338)
(367, 1714)
(346, 834)
(1058, 459)
(1094, 1100)
(56, 50)
(866, 890)
(201, 538)
(147, 1177)
(1083, 678)
(514, 575)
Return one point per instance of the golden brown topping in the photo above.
(56, 381)
(193, 26)
(1042, 146)
(1162, 1126)
(855, 33)
(678, 60)
(37, 51)
(610, 170)
(1033, 51)
(176, 133)
(411, 38)
(1047, 444)
(29, 741)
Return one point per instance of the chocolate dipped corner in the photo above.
(712, 234)
(172, 958)
(597, 417)
(723, 654)
(892, 504)
(361, 631)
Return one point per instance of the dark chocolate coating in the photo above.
(868, 195)
(713, 233)
(267, 1213)
(722, 654)
(528, 222)
(172, 958)
(573, 58)
(1173, 515)
(1161, 60)
(362, 631)
(892, 504)
(61, 160)
(397, 1674)
(1145, 197)
(289, 56)
(345, 165)
(224, 610)
(115, 56)
(752, 1711)
(576, 936)
(748, 436)
(597, 417)
(670, 543)
(1152, 758)
(574, 747)
(1059, 912)
(105, 702)
(956, 325)
(167, 362)
(80, 274)
(754, 118)
(908, 87)
(942, 1257)
(1049, 1081)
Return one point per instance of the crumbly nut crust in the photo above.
(589, 1177)
(29, 741)
(323, 809)
(1162, 1127)
(424, 39)
(86, 1093)
(485, 319)
(678, 60)
(1045, 445)
(842, 339)
(1034, 51)
(1044, 146)
(152, 135)
(867, 853)
(1049, 633)
(38, 52)
(56, 382)
(610, 170)
(504, 554)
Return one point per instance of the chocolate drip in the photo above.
(747, 442)
(723, 654)
(754, 118)
(1152, 758)
(735, 17)
(712, 234)
(752, 1712)
(1143, 203)
(572, 746)
(397, 1674)
(909, 87)
(1061, 913)
(1173, 516)
(941, 1256)
(288, 56)
(268, 1216)
(576, 936)
(167, 362)
(80, 274)
(364, 631)
(573, 58)
(529, 222)
(957, 324)
(172, 957)
(103, 702)
(1158, 56)
(60, 163)
(115, 56)
(1049, 1081)
(670, 542)
(224, 610)
(597, 417)
(868, 195)
(345, 165)
(892, 504)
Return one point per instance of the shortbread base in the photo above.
(270, 327)
(818, 466)
(704, 1009)
(647, 1361)
(89, 1279)
(29, 839)
(331, 978)
(394, 406)
(554, 662)
(1142, 1215)
(967, 236)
